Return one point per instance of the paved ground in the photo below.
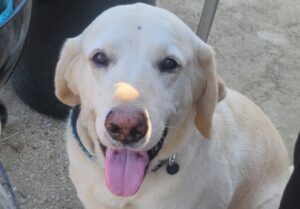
(258, 50)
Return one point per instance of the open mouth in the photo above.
(152, 153)
(125, 169)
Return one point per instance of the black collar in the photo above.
(74, 117)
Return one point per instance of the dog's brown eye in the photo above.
(100, 59)
(168, 65)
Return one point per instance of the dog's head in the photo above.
(136, 71)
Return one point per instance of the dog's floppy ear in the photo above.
(214, 90)
(221, 89)
(65, 90)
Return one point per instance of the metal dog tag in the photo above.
(172, 167)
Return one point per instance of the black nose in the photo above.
(125, 125)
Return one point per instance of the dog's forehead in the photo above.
(134, 15)
(134, 23)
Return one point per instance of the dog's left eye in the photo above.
(100, 59)
(168, 65)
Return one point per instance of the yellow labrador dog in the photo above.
(152, 126)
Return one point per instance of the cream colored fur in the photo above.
(230, 154)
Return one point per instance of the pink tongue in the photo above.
(124, 171)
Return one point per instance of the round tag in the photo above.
(172, 169)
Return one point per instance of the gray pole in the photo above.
(206, 19)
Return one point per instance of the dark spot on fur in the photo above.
(139, 27)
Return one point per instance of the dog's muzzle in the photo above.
(124, 169)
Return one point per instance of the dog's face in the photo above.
(137, 71)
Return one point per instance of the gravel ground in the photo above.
(257, 45)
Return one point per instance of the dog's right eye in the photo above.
(100, 59)
(168, 65)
